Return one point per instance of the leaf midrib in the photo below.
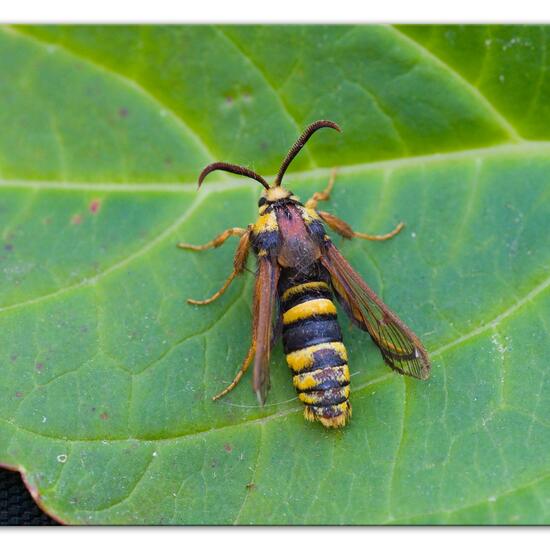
(231, 182)
(218, 186)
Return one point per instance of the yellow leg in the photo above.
(323, 195)
(239, 261)
(384, 237)
(342, 228)
(217, 241)
(216, 295)
(240, 373)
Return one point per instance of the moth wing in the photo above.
(265, 295)
(400, 347)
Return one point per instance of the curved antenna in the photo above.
(300, 142)
(234, 169)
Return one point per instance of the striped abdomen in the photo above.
(314, 350)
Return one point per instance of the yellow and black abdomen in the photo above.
(313, 346)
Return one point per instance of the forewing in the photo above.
(264, 302)
(400, 347)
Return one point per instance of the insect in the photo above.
(299, 272)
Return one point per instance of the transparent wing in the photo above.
(400, 347)
(264, 302)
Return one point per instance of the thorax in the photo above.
(289, 232)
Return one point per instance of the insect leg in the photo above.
(217, 241)
(323, 195)
(342, 228)
(216, 295)
(240, 373)
(239, 263)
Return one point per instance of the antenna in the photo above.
(234, 169)
(295, 149)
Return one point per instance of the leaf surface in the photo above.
(106, 373)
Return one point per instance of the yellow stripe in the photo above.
(308, 380)
(266, 222)
(309, 214)
(303, 358)
(298, 289)
(321, 306)
(314, 397)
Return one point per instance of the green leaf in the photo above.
(106, 373)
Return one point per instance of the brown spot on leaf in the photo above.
(18, 394)
(95, 205)
(13, 358)
(8, 247)
(123, 112)
(103, 416)
(227, 447)
(250, 486)
(76, 219)
(39, 367)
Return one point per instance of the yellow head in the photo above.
(274, 194)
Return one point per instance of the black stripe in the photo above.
(316, 230)
(325, 358)
(291, 277)
(266, 240)
(309, 332)
(328, 399)
(306, 295)
(312, 318)
(326, 384)
(327, 412)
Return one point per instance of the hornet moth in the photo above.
(299, 271)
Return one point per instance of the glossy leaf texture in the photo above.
(106, 372)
